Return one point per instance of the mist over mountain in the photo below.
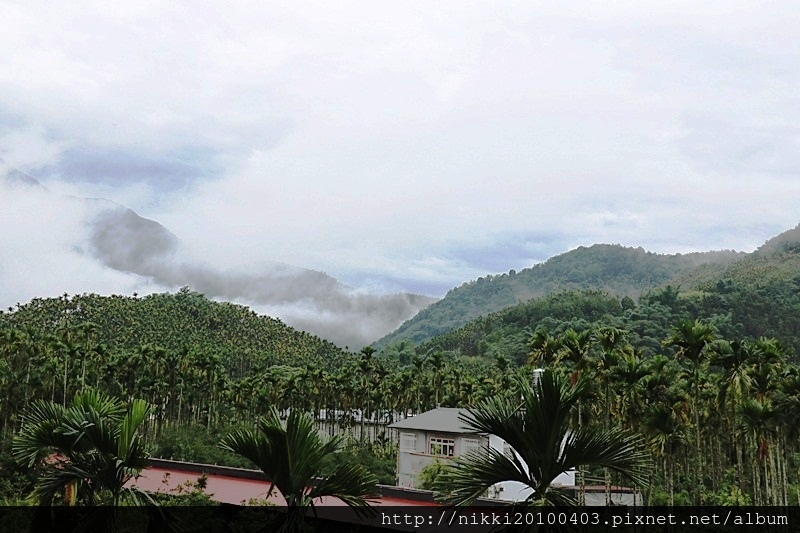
(75, 244)
(119, 239)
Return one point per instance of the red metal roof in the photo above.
(239, 486)
(224, 489)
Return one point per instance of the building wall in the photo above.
(414, 455)
(629, 499)
(414, 452)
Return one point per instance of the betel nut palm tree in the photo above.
(540, 431)
(692, 339)
(86, 454)
(292, 457)
(88, 451)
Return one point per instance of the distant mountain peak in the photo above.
(613, 268)
(16, 177)
(789, 239)
(120, 240)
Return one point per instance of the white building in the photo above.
(440, 435)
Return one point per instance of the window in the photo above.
(408, 442)
(444, 447)
(468, 445)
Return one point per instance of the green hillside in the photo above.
(756, 296)
(185, 320)
(611, 268)
(761, 291)
(209, 367)
(776, 261)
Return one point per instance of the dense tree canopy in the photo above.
(707, 376)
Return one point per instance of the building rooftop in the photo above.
(242, 487)
(444, 419)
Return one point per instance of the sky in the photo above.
(397, 147)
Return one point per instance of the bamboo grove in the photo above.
(720, 415)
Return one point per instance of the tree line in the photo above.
(718, 411)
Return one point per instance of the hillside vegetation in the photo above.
(610, 268)
(185, 320)
(757, 295)
(705, 372)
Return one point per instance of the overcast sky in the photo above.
(397, 145)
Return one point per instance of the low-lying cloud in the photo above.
(396, 148)
(91, 245)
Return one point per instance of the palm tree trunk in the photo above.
(70, 492)
(775, 490)
(785, 478)
(66, 365)
(699, 496)
(737, 449)
(669, 477)
(581, 471)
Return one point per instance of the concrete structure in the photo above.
(439, 435)
(595, 495)
(435, 435)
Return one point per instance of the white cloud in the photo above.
(385, 143)
(43, 238)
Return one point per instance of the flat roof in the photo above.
(444, 419)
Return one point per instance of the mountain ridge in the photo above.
(619, 270)
(755, 296)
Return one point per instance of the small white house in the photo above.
(439, 435)
(435, 435)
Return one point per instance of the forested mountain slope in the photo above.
(209, 367)
(761, 291)
(776, 261)
(611, 268)
(185, 320)
(756, 296)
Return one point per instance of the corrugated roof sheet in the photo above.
(444, 419)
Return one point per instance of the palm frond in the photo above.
(128, 440)
(615, 449)
(249, 445)
(291, 456)
(351, 483)
(473, 474)
(85, 441)
(539, 429)
(89, 430)
(106, 406)
(39, 434)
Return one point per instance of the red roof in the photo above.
(238, 487)
(224, 489)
